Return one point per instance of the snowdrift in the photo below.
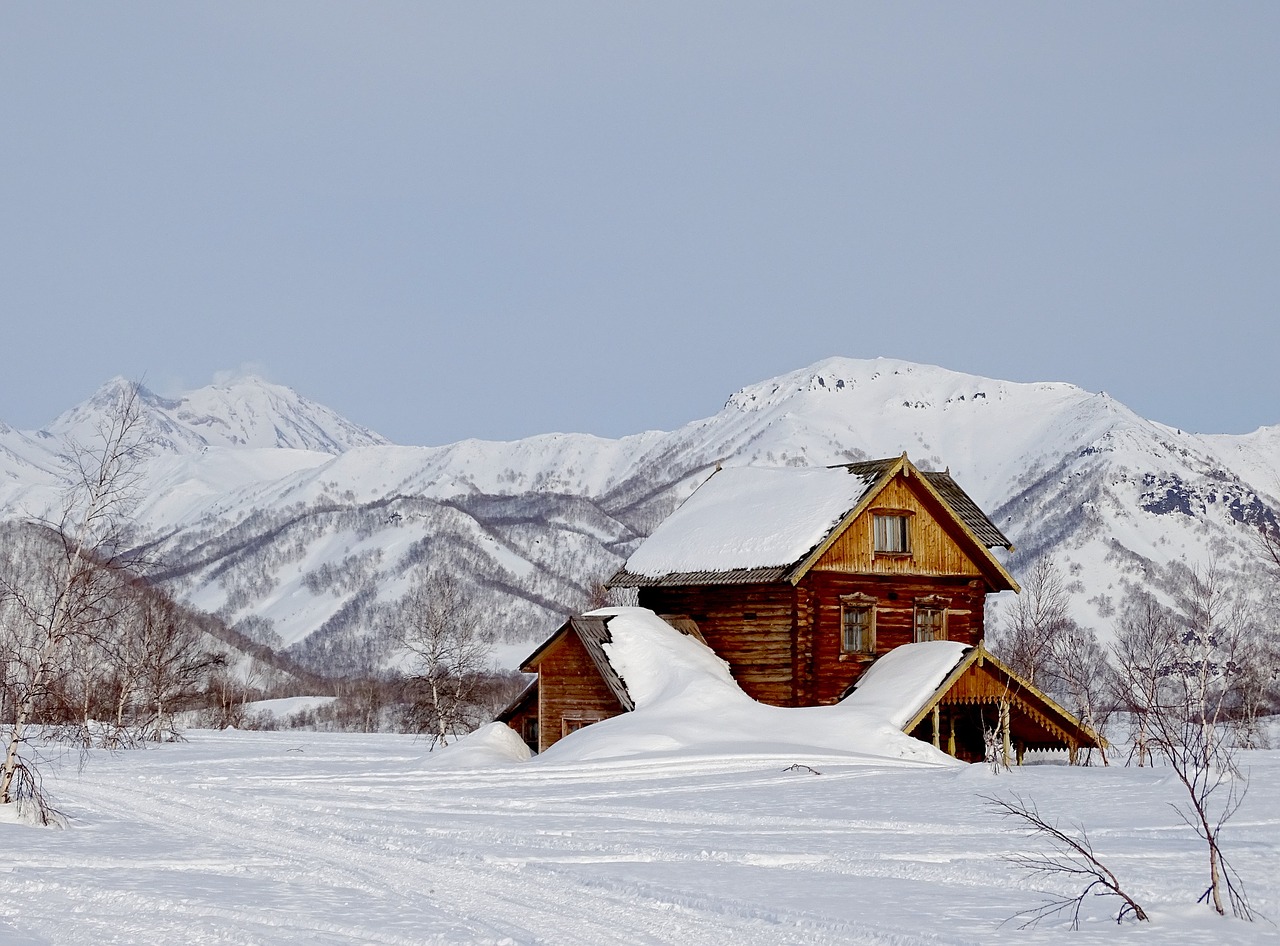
(687, 703)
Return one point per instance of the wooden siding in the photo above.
(934, 551)
(831, 671)
(569, 687)
(783, 645)
(751, 627)
(522, 715)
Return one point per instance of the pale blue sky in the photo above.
(499, 219)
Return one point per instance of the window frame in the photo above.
(934, 604)
(574, 720)
(858, 602)
(900, 530)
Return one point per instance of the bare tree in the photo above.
(1073, 858)
(73, 594)
(1177, 672)
(1268, 540)
(441, 627)
(1080, 675)
(1024, 636)
(173, 668)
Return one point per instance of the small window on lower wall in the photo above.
(931, 622)
(857, 624)
(574, 722)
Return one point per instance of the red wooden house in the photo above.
(800, 579)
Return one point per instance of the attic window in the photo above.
(892, 533)
(857, 624)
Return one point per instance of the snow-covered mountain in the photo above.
(301, 528)
(245, 412)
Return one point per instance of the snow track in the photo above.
(275, 839)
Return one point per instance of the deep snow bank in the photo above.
(688, 703)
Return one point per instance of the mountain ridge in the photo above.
(311, 548)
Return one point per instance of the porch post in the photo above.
(937, 727)
(1005, 748)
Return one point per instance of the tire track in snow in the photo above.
(480, 900)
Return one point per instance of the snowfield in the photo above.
(306, 838)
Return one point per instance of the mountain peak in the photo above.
(836, 376)
(245, 411)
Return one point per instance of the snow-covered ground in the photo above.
(287, 706)
(306, 838)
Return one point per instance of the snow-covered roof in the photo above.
(750, 518)
(754, 524)
(898, 684)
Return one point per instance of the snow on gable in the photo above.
(749, 517)
(898, 684)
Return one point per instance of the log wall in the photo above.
(526, 723)
(750, 626)
(570, 688)
(834, 671)
(783, 644)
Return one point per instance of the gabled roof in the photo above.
(1032, 701)
(593, 632)
(751, 525)
(527, 697)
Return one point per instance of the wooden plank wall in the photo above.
(569, 685)
(750, 626)
(783, 644)
(832, 671)
(933, 550)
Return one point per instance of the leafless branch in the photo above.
(1073, 858)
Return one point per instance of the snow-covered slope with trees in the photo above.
(302, 528)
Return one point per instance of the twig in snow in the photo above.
(1074, 858)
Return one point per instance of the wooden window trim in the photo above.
(932, 603)
(858, 602)
(905, 515)
(572, 722)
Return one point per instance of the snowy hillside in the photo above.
(302, 528)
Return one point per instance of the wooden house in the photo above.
(800, 579)
(576, 684)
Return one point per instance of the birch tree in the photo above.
(1024, 637)
(1178, 675)
(441, 627)
(53, 601)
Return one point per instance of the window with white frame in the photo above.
(857, 624)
